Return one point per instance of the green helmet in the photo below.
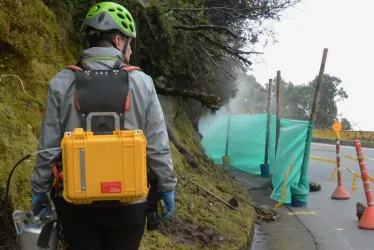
(108, 16)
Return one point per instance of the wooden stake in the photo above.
(279, 98)
(215, 196)
(319, 84)
(227, 136)
(268, 124)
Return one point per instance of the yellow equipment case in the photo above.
(103, 162)
(104, 167)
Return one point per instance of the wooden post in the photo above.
(227, 136)
(268, 124)
(318, 88)
(279, 98)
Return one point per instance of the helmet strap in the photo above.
(125, 49)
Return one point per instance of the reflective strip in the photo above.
(366, 182)
(370, 203)
(337, 154)
(367, 190)
(364, 171)
(83, 169)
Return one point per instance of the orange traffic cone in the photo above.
(367, 219)
(340, 193)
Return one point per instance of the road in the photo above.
(333, 223)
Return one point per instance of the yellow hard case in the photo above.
(104, 167)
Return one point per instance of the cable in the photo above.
(6, 198)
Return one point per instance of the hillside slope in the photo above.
(33, 46)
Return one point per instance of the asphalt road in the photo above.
(333, 223)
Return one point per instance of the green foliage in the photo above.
(297, 100)
(346, 124)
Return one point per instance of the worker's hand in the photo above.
(40, 204)
(168, 197)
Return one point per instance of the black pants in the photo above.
(101, 228)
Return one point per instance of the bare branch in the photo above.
(230, 50)
(217, 9)
(208, 55)
(206, 27)
(210, 101)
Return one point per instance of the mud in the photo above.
(187, 233)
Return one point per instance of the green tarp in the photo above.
(245, 137)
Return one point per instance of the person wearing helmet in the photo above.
(108, 30)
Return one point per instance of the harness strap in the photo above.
(130, 68)
(126, 68)
(58, 176)
(128, 100)
(73, 67)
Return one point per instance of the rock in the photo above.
(266, 213)
(314, 187)
(360, 208)
(234, 202)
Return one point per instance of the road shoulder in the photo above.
(288, 232)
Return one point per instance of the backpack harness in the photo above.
(97, 94)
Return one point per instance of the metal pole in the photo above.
(268, 124)
(279, 97)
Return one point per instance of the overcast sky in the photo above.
(346, 29)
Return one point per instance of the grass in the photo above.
(196, 207)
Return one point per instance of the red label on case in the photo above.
(111, 187)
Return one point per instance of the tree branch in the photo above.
(230, 50)
(201, 48)
(209, 101)
(217, 9)
(206, 27)
(183, 150)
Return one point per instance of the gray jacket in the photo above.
(145, 113)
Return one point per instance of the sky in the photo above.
(346, 29)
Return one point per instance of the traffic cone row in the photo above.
(366, 221)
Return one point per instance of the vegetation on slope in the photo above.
(186, 46)
(200, 220)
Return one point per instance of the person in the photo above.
(109, 29)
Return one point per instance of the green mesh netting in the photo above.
(244, 138)
(289, 162)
